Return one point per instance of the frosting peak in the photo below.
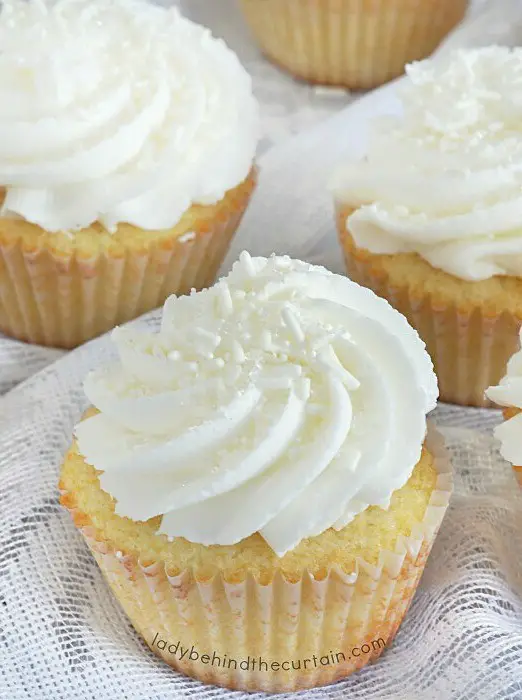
(117, 111)
(509, 393)
(284, 401)
(444, 179)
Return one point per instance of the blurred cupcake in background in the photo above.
(352, 43)
(127, 141)
(431, 217)
(508, 394)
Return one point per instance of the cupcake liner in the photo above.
(213, 629)
(469, 346)
(348, 42)
(62, 299)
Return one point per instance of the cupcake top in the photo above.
(117, 111)
(284, 400)
(444, 179)
(509, 394)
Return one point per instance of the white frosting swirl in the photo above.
(509, 393)
(117, 111)
(284, 401)
(444, 179)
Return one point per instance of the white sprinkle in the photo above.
(293, 324)
(174, 355)
(314, 409)
(192, 366)
(353, 459)
(186, 237)
(237, 352)
(246, 261)
(329, 361)
(211, 337)
(225, 299)
(350, 381)
(266, 340)
(239, 294)
(220, 362)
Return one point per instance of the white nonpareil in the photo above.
(117, 111)
(284, 400)
(444, 179)
(509, 393)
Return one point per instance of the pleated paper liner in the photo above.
(65, 296)
(469, 345)
(354, 43)
(214, 629)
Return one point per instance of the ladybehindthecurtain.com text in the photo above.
(251, 663)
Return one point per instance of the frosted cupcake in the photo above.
(431, 218)
(348, 42)
(508, 394)
(255, 480)
(126, 162)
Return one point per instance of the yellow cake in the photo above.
(359, 44)
(428, 218)
(161, 585)
(124, 173)
(216, 578)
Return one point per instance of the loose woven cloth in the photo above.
(63, 635)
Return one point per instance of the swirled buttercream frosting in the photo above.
(444, 179)
(509, 394)
(283, 401)
(117, 111)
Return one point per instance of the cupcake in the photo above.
(347, 42)
(127, 137)
(508, 394)
(431, 218)
(255, 480)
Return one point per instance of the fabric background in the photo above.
(62, 634)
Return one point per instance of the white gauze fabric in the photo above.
(63, 636)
